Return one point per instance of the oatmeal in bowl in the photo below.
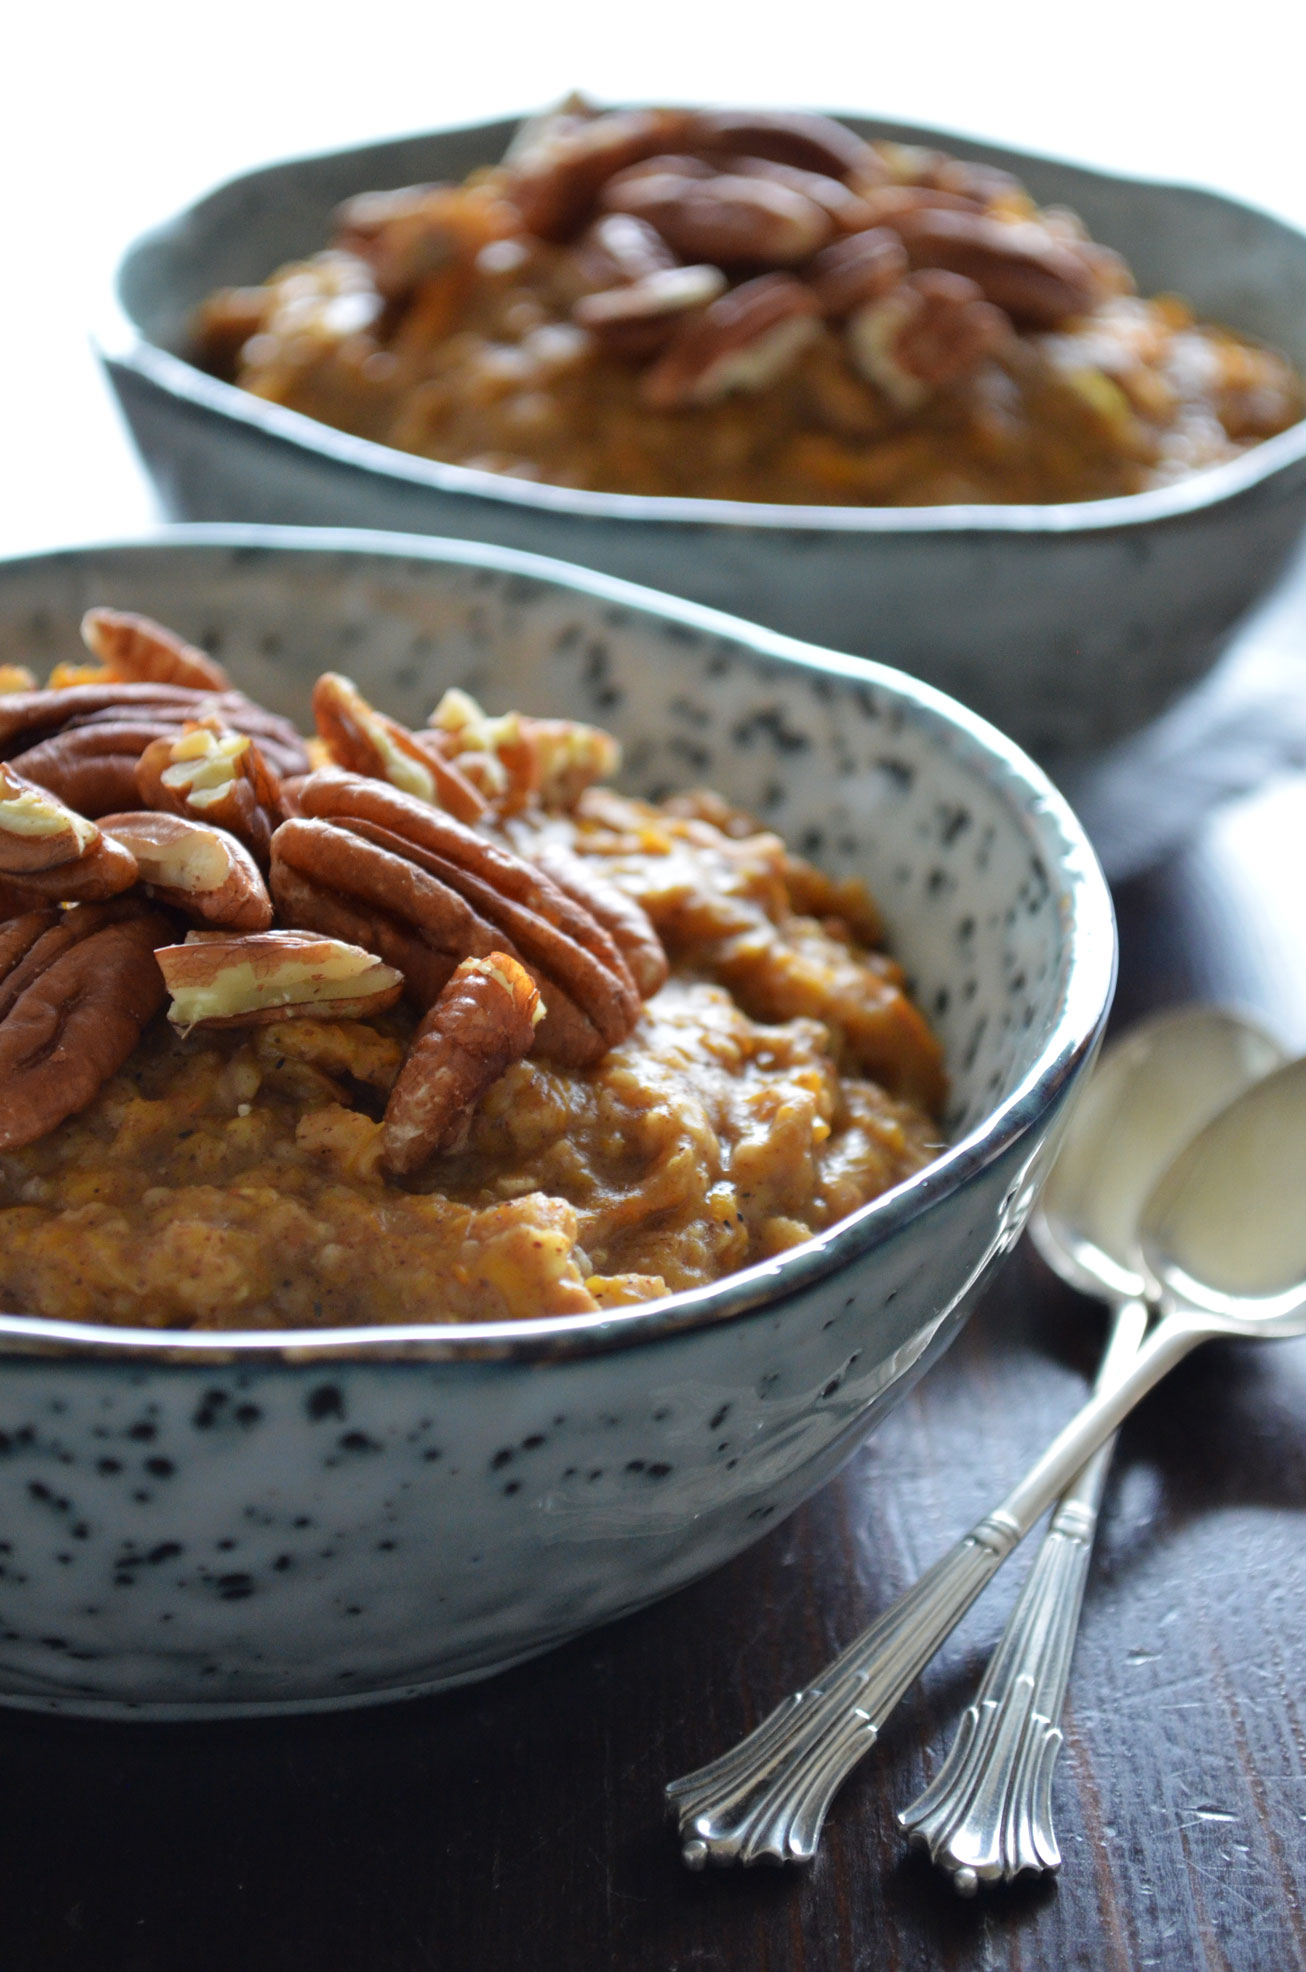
(642, 1044)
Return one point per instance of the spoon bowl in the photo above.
(1150, 1093)
(1223, 1234)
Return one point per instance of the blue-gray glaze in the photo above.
(1066, 625)
(196, 1524)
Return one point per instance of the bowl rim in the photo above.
(1051, 827)
(120, 343)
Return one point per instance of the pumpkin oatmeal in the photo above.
(572, 1051)
(747, 306)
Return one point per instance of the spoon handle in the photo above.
(987, 1815)
(767, 1798)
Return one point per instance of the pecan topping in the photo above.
(515, 760)
(136, 648)
(856, 270)
(48, 850)
(201, 870)
(743, 342)
(849, 211)
(77, 988)
(83, 743)
(620, 248)
(362, 740)
(797, 137)
(555, 179)
(217, 980)
(407, 235)
(214, 776)
(638, 319)
(425, 892)
(931, 330)
(730, 221)
(483, 1021)
(16, 678)
(1037, 279)
(37, 830)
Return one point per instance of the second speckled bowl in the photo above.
(1065, 625)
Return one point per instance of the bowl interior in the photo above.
(984, 879)
(1236, 264)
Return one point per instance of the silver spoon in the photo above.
(1223, 1238)
(987, 1815)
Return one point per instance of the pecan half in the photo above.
(362, 740)
(201, 870)
(625, 921)
(1037, 279)
(554, 181)
(83, 743)
(797, 137)
(743, 342)
(638, 319)
(619, 248)
(856, 270)
(729, 221)
(928, 332)
(848, 209)
(215, 776)
(49, 851)
(425, 892)
(77, 988)
(37, 830)
(216, 980)
(138, 649)
(483, 1021)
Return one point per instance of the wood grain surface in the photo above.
(517, 1827)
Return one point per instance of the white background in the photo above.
(113, 116)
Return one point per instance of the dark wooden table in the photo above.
(519, 1825)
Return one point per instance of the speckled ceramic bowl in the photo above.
(1066, 625)
(279, 1521)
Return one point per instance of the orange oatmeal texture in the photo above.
(231, 1179)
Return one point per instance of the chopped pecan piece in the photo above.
(929, 331)
(743, 342)
(729, 221)
(77, 988)
(362, 740)
(407, 235)
(137, 649)
(426, 892)
(484, 1020)
(797, 137)
(202, 870)
(217, 980)
(638, 319)
(49, 851)
(515, 760)
(1037, 279)
(214, 776)
(16, 678)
